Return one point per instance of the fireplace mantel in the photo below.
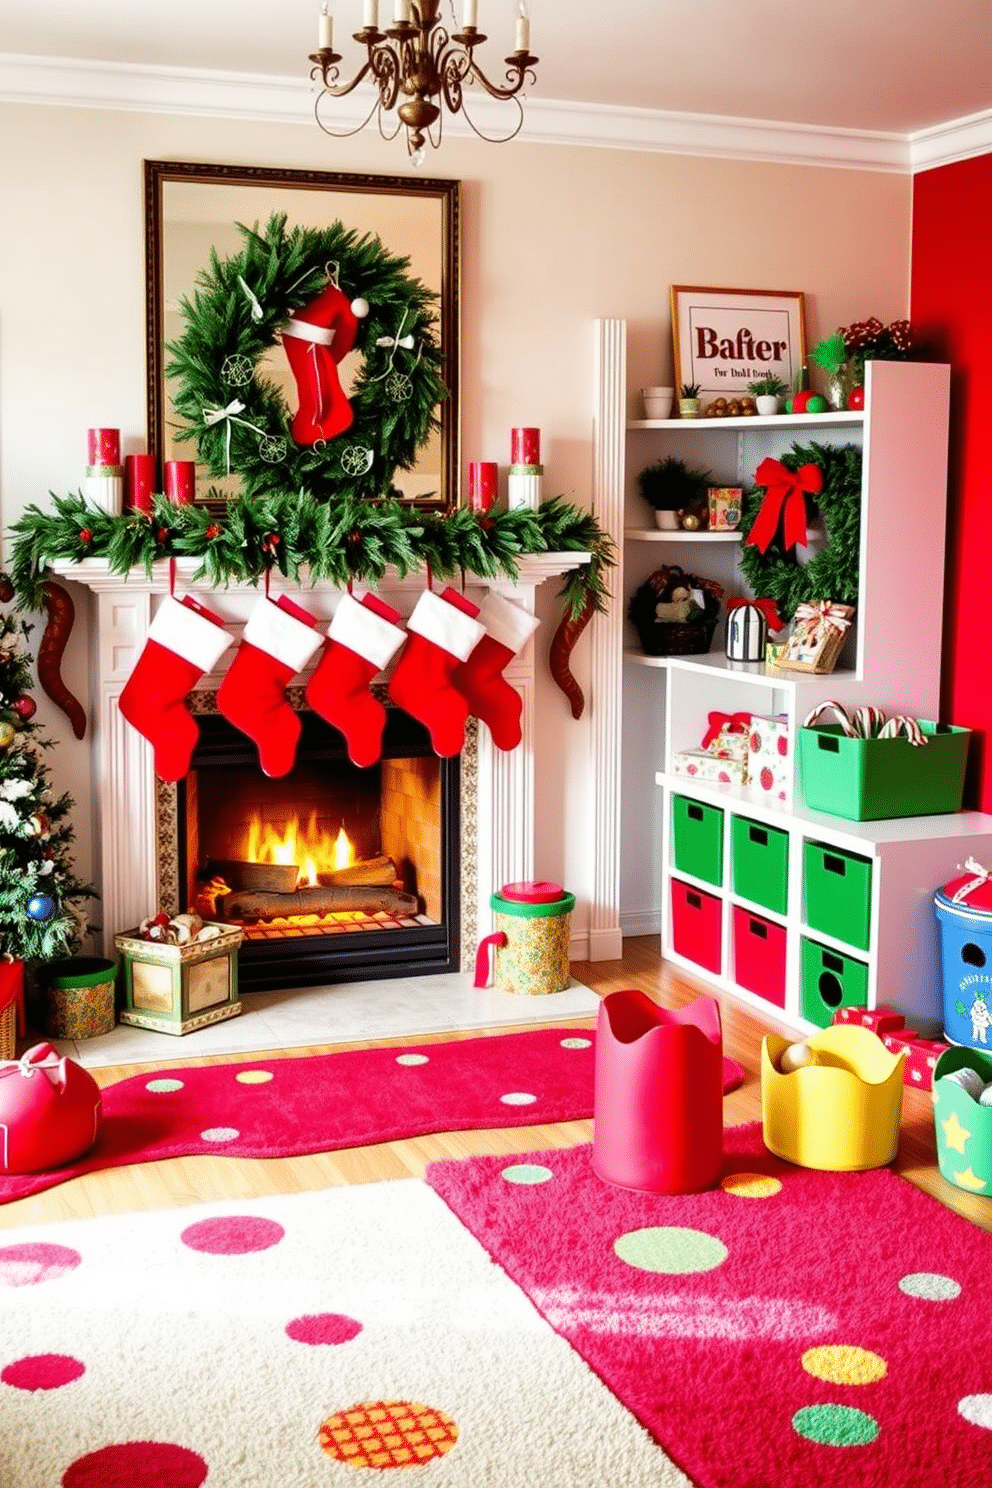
(120, 609)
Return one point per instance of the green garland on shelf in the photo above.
(309, 540)
(240, 420)
(832, 573)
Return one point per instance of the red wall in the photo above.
(951, 309)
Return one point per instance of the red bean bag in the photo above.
(49, 1111)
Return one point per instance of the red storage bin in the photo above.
(659, 1094)
(759, 956)
(696, 925)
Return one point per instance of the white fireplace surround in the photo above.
(125, 817)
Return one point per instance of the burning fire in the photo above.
(311, 849)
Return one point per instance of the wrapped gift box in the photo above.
(881, 1020)
(176, 988)
(818, 637)
(921, 1056)
(769, 764)
(730, 744)
(702, 765)
(725, 508)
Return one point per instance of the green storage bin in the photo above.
(760, 863)
(870, 779)
(830, 981)
(837, 893)
(697, 839)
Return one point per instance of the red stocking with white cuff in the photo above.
(480, 679)
(443, 632)
(279, 640)
(185, 640)
(363, 638)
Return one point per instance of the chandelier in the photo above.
(418, 58)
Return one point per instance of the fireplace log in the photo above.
(379, 870)
(243, 875)
(324, 899)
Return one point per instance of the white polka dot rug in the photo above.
(358, 1335)
(785, 1329)
(326, 1102)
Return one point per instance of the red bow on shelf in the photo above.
(767, 607)
(785, 501)
(736, 723)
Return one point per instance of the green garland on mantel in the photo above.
(832, 573)
(309, 540)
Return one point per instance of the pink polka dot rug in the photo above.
(325, 1102)
(785, 1329)
(358, 1335)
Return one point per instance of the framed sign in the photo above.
(725, 339)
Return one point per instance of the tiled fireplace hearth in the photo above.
(135, 829)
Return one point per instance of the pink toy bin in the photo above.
(658, 1102)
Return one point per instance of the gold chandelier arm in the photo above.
(325, 67)
(519, 70)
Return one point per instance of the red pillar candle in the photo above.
(483, 476)
(525, 447)
(140, 477)
(103, 447)
(180, 481)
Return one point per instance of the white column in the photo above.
(606, 636)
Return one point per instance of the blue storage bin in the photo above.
(965, 926)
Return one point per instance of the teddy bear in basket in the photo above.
(675, 613)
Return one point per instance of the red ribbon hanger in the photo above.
(785, 501)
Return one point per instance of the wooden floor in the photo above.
(193, 1180)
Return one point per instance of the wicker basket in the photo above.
(691, 637)
(8, 1031)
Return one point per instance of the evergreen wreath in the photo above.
(309, 540)
(240, 419)
(833, 573)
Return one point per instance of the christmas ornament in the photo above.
(856, 398)
(8, 733)
(41, 907)
(185, 640)
(443, 632)
(480, 679)
(279, 639)
(25, 706)
(691, 522)
(287, 297)
(363, 638)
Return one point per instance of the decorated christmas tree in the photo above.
(40, 914)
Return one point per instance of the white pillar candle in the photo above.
(401, 11)
(523, 30)
(325, 32)
(470, 14)
(370, 15)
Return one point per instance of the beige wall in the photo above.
(552, 238)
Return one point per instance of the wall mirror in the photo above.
(192, 209)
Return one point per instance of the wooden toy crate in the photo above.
(178, 988)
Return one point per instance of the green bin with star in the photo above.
(962, 1112)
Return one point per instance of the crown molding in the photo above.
(79, 83)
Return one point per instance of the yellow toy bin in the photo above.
(840, 1114)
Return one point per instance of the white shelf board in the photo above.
(677, 535)
(753, 421)
(859, 836)
(757, 671)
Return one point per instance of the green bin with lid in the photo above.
(530, 943)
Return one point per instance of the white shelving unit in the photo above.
(891, 659)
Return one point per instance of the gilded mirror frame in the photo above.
(157, 175)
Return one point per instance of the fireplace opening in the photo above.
(334, 873)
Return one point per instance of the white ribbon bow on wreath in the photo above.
(212, 416)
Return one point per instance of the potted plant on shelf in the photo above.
(671, 486)
(766, 392)
(689, 403)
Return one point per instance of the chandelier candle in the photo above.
(524, 481)
(104, 474)
(483, 476)
(180, 481)
(140, 478)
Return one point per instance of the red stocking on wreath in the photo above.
(316, 338)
